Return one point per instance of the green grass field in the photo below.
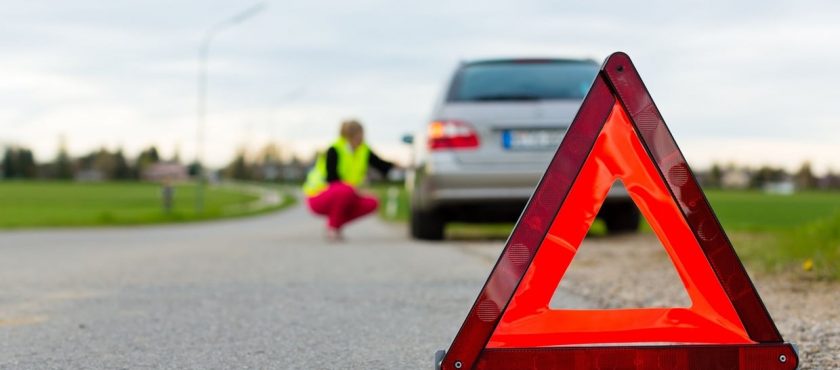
(799, 232)
(757, 211)
(796, 233)
(49, 204)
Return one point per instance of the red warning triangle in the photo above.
(618, 134)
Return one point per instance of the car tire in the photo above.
(427, 225)
(622, 218)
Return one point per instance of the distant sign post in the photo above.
(167, 194)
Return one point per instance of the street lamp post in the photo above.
(203, 52)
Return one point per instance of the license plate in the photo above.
(532, 139)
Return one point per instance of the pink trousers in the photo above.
(341, 204)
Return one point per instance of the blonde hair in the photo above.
(350, 128)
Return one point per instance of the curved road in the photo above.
(263, 292)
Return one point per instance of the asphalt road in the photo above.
(264, 292)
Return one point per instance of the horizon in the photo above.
(252, 157)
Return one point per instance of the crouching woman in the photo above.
(331, 186)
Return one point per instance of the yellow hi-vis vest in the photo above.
(352, 167)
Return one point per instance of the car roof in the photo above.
(526, 60)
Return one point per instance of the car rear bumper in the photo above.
(479, 185)
(509, 186)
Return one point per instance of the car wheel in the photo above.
(622, 218)
(427, 225)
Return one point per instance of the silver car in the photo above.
(491, 137)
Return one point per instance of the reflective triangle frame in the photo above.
(618, 86)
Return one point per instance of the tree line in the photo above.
(265, 164)
(762, 177)
(19, 163)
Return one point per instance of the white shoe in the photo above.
(334, 235)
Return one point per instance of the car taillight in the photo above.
(451, 134)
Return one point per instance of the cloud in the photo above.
(740, 74)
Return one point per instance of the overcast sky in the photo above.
(748, 81)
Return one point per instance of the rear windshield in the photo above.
(513, 81)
